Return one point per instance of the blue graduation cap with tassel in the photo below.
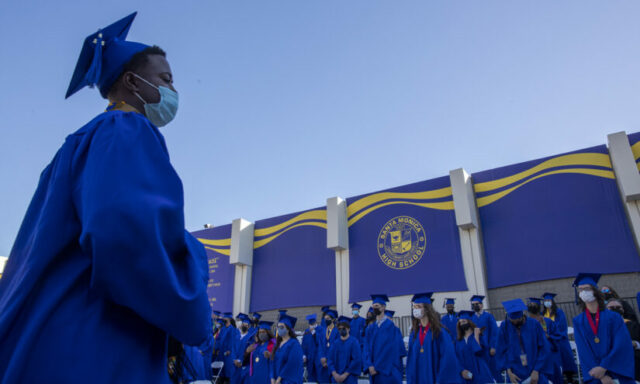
(103, 56)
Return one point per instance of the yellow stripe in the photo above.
(444, 206)
(217, 243)
(486, 200)
(318, 214)
(635, 148)
(267, 240)
(598, 159)
(221, 251)
(377, 197)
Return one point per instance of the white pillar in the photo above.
(242, 257)
(466, 213)
(627, 177)
(338, 240)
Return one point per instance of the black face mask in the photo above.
(618, 310)
(328, 322)
(343, 332)
(451, 311)
(476, 307)
(608, 295)
(518, 323)
(369, 315)
(533, 309)
(465, 327)
(377, 311)
(244, 328)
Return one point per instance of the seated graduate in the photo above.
(601, 337)
(550, 328)
(470, 350)
(381, 352)
(345, 357)
(239, 352)
(522, 349)
(431, 357)
(449, 320)
(357, 323)
(260, 354)
(310, 347)
(287, 360)
(325, 337)
(556, 314)
(102, 270)
(634, 331)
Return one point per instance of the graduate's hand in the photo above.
(372, 371)
(323, 361)
(534, 377)
(267, 354)
(304, 359)
(237, 363)
(278, 380)
(273, 381)
(336, 377)
(251, 348)
(465, 374)
(492, 351)
(606, 379)
(227, 353)
(512, 377)
(597, 372)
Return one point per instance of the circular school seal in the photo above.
(401, 242)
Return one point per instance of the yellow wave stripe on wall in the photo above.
(318, 214)
(486, 200)
(597, 159)
(377, 197)
(216, 243)
(635, 148)
(267, 240)
(443, 206)
(222, 251)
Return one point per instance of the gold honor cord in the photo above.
(222, 251)
(577, 159)
(318, 214)
(442, 206)
(378, 197)
(486, 200)
(259, 243)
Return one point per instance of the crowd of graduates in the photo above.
(531, 346)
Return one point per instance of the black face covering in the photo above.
(244, 328)
(618, 310)
(343, 332)
(369, 315)
(533, 308)
(377, 311)
(451, 311)
(476, 307)
(465, 327)
(328, 322)
(518, 323)
(608, 295)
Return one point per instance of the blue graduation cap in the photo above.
(217, 313)
(587, 278)
(535, 300)
(332, 312)
(265, 324)
(548, 295)
(449, 301)
(220, 320)
(422, 298)
(515, 308)
(467, 315)
(227, 315)
(344, 319)
(243, 317)
(103, 56)
(325, 308)
(356, 306)
(380, 299)
(389, 313)
(256, 315)
(311, 319)
(477, 298)
(281, 312)
(289, 321)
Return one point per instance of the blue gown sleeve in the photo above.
(620, 359)
(450, 368)
(401, 348)
(502, 347)
(331, 358)
(476, 348)
(293, 362)
(493, 326)
(355, 366)
(366, 351)
(129, 200)
(543, 348)
(561, 321)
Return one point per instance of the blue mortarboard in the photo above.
(311, 318)
(256, 315)
(227, 315)
(467, 315)
(290, 321)
(243, 317)
(515, 308)
(332, 312)
(587, 278)
(548, 295)
(325, 308)
(103, 56)
(344, 319)
(265, 324)
(220, 320)
(380, 299)
(389, 313)
(356, 306)
(449, 301)
(217, 313)
(535, 300)
(422, 298)
(476, 298)
(282, 312)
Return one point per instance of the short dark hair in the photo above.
(138, 61)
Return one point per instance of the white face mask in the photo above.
(587, 296)
(547, 304)
(418, 313)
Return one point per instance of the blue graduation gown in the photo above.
(382, 351)
(534, 345)
(260, 368)
(323, 374)
(102, 268)
(242, 343)
(357, 328)
(554, 360)
(449, 322)
(310, 350)
(345, 356)
(567, 362)
(614, 351)
(434, 361)
(231, 337)
(196, 364)
(287, 363)
(487, 322)
(470, 355)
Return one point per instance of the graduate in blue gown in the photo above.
(325, 337)
(230, 336)
(449, 320)
(431, 358)
(102, 269)
(357, 323)
(556, 314)
(470, 351)
(260, 354)
(287, 360)
(485, 321)
(602, 339)
(310, 347)
(345, 356)
(550, 328)
(381, 352)
(522, 349)
(255, 321)
(246, 337)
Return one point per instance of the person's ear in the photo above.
(130, 82)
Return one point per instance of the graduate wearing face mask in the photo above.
(310, 348)
(228, 343)
(325, 335)
(287, 358)
(556, 314)
(450, 319)
(260, 354)
(601, 337)
(345, 356)
(239, 352)
(357, 323)
(485, 321)
(550, 328)
(470, 351)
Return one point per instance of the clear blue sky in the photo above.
(286, 103)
